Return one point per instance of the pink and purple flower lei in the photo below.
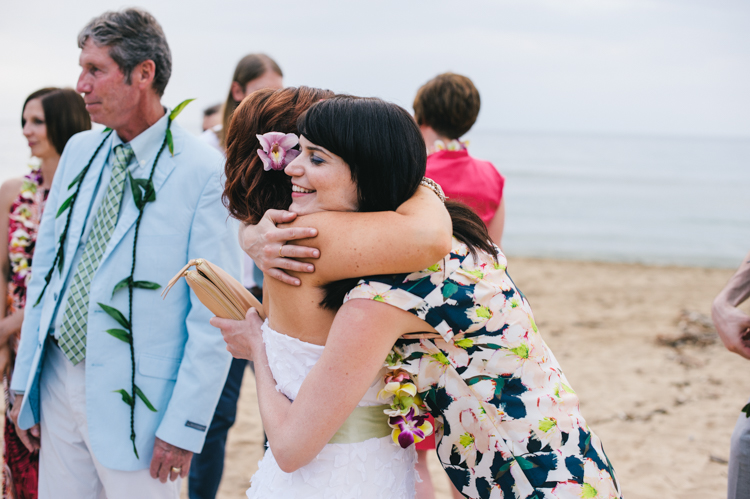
(24, 221)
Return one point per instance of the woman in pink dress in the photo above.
(50, 117)
(445, 108)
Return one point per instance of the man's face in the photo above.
(109, 99)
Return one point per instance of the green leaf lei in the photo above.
(143, 193)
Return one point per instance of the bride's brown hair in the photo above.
(249, 190)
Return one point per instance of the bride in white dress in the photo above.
(354, 455)
(372, 468)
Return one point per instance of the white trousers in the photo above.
(68, 468)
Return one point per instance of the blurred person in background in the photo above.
(733, 326)
(211, 117)
(49, 118)
(253, 72)
(212, 127)
(446, 108)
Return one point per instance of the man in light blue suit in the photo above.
(117, 383)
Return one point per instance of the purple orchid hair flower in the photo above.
(277, 150)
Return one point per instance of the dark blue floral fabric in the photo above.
(508, 421)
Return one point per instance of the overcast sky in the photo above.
(603, 66)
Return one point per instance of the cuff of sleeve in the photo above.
(17, 386)
(185, 434)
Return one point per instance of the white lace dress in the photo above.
(373, 469)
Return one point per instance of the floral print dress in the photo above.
(508, 421)
(21, 468)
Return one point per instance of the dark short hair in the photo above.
(133, 36)
(379, 141)
(64, 114)
(449, 103)
(249, 190)
(387, 157)
(210, 111)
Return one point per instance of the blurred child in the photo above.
(211, 116)
(445, 108)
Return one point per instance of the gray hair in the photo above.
(133, 36)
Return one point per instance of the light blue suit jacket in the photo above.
(181, 360)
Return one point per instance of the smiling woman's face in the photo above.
(321, 181)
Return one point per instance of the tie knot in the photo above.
(123, 155)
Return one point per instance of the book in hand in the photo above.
(221, 293)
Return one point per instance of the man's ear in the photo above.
(143, 74)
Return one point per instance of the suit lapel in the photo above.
(81, 211)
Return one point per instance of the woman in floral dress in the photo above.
(509, 424)
(50, 117)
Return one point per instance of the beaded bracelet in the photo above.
(434, 186)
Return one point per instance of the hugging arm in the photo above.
(732, 324)
(415, 236)
(263, 242)
(353, 357)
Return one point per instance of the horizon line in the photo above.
(613, 134)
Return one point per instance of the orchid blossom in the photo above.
(409, 428)
(398, 385)
(406, 407)
(277, 150)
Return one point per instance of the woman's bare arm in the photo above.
(354, 354)
(8, 193)
(497, 225)
(10, 325)
(413, 237)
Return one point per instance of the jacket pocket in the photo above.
(158, 367)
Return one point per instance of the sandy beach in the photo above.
(665, 413)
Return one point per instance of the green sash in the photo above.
(363, 424)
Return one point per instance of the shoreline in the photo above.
(636, 262)
(603, 261)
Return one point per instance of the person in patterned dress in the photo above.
(509, 419)
(49, 118)
(509, 424)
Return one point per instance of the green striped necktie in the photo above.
(72, 338)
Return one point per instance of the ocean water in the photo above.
(652, 200)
